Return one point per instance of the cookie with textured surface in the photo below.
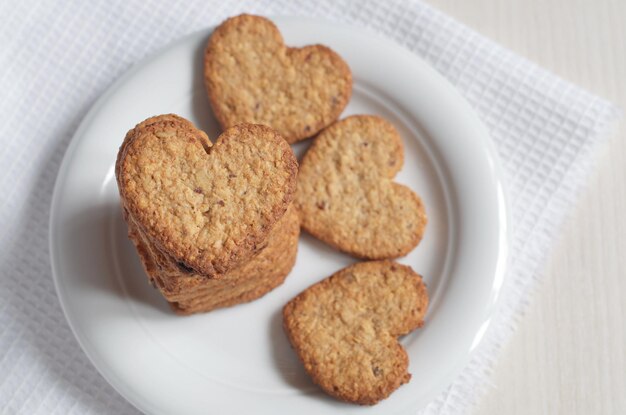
(191, 293)
(346, 195)
(251, 76)
(345, 329)
(208, 206)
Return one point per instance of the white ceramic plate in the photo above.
(238, 360)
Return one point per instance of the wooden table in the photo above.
(568, 355)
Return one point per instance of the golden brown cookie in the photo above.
(346, 195)
(345, 329)
(208, 206)
(242, 293)
(251, 76)
(191, 293)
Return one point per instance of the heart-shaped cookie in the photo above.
(345, 329)
(207, 206)
(346, 195)
(251, 76)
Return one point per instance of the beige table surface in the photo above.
(568, 355)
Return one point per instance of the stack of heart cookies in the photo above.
(213, 223)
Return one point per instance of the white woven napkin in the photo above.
(57, 57)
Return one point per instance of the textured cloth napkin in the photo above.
(57, 57)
